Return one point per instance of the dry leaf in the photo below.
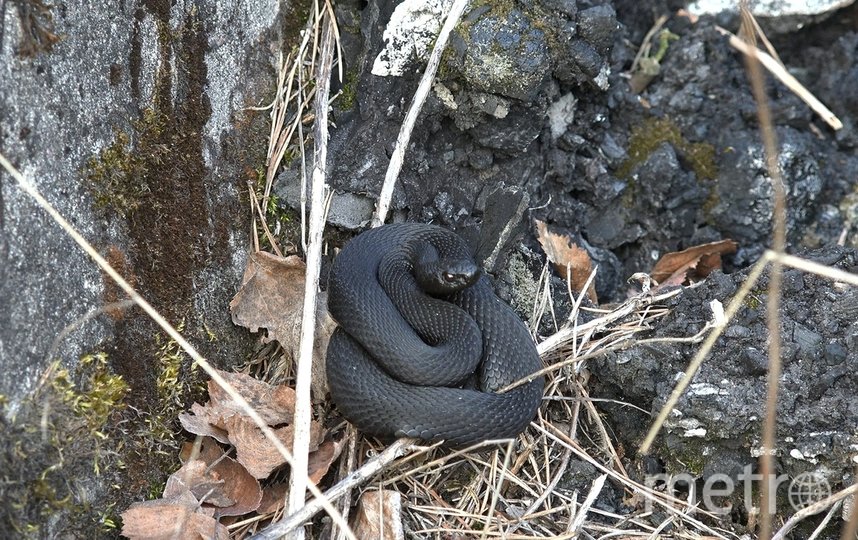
(571, 261)
(163, 519)
(272, 291)
(255, 451)
(272, 297)
(275, 404)
(319, 462)
(205, 485)
(692, 264)
(379, 515)
(203, 422)
(217, 481)
(273, 498)
(239, 485)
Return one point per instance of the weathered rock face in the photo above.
(130, 118)
(128, 124)
(714, 428)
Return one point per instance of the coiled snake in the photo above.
(423, 342)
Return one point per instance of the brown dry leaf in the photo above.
(172, 519)
(272, 290)
(272, 297)
(379, 515)
(205, 485)
(692, 264)
(320, 461)
(275, 404)
(217, 480)
(273, 498)
(203, 422)
(255, 452)
(571, 261)
(240, 486)
(209, 450)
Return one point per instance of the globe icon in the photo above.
(806, 489)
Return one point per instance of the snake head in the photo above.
(446, 276)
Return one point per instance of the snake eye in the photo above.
(449, 277)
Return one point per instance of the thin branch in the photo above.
(303, 377)
(702, 353)
(581, 514)
(787, 79)
(360, 476)
(773, 302)
(814, 509)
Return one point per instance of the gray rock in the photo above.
(133, 124)
(347, 210)
(502, 225)
(581, 63)
(781, 16)
(503, 53)
(598, 26)
(743, 210)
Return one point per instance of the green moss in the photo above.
(57, 442)
(115, 176)
(348, 95)
(753, 301)
(178, 382)
(691, 461)
(97, 394)
(647, 137)
(118, 176)
(281, 220)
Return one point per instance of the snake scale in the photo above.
(423, 342)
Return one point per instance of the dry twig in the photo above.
(776, 69)
(303, 378)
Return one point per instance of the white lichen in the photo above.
(409, 35)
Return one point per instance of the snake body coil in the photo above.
(423, 342)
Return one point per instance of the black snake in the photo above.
(423, 342)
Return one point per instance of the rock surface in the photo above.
(715, 426)
(131, 120)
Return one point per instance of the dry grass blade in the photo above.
(814, 509)
(581, 514)
(668, 503)
(773, 302)
(31, 190)
(520, 494)
(776, 69)
(396, 159)
(833, 274)
(290, 110)
(556, 342)
(646, 43)
(702, 353)
(303, 405)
